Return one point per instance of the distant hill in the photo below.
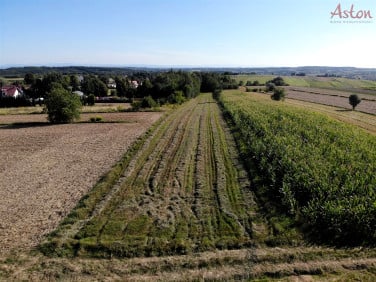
(346, 72)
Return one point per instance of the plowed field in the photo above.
(46, 169)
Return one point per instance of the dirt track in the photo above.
(45, 170)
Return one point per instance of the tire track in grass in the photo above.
(180, 192)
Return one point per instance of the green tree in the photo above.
(354, 100)
(148, 102)
(176, 98)
(121, 87)
(145, 89)
(91, 100)
(278, 94)
(93, 85)
(270, 86)
(29, 78)
(62, 106)
(74, 82)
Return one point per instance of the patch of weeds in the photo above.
(96, 119)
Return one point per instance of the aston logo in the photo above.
(350, 13)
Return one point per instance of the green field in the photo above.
(315, 82)
(316, 170)
(180, 192)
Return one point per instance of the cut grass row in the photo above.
(282, 264)
(177, 191)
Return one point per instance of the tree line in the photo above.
(160, 86)
(144, 90)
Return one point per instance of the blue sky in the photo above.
(245, 33)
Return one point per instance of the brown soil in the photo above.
(45, 170)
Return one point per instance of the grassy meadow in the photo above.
(314, 82)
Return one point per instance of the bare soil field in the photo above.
(46, 169)
(332, 98)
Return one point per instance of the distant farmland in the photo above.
(332, 98)
(338, 83)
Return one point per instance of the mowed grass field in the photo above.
(339, 83)
(332, 103)
(178, 206)
(183, 191)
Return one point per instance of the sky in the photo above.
(205, 33)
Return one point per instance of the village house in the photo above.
(134, 83)
(11, 91)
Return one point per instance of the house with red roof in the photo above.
(11, 91)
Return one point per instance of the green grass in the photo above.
(175, 192)
(314, 82)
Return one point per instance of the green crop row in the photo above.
(319, 172)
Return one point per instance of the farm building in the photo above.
(11, 91)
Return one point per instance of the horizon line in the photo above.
(58, 65)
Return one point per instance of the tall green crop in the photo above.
(312, 166)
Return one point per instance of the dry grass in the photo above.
(284, 264)
(132, 117)
(332, 98)
(46, 169)
(97, 108)
(363, 120)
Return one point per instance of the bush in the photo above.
(176, 98)
(22, 101)
(216, 93)
(270, 87)
(279, 94)
(136, 105)
(148, 102)
(91, 100)
(96, 119)
(62, 106)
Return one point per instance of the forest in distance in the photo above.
(347, 72)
